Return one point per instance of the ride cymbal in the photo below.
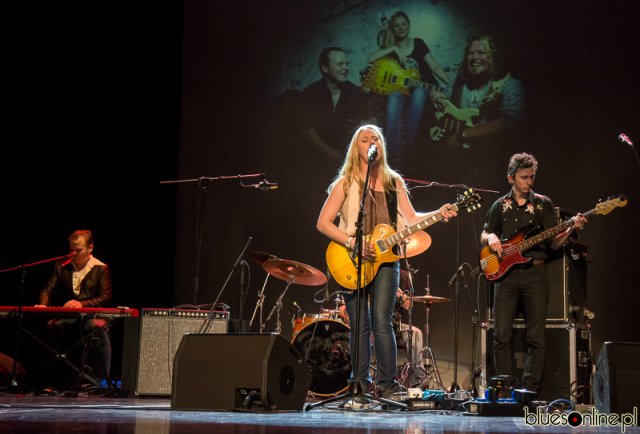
(429, 299)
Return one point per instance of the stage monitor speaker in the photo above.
(234, 371)
(161, 331)
(616, 385)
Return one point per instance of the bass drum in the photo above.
(325, 347)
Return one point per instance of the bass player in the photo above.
(517, 210)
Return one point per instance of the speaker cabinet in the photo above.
(567, 361)
(224, 372)
(616, 385)
(161, 331)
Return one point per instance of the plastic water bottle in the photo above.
(483, 384)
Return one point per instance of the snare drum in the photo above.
(325, 346)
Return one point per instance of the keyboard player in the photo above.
(81, 281)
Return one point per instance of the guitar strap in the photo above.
(392, 204)
(496, 88)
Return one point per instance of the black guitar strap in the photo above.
(392, 204)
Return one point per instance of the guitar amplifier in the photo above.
(161, 331)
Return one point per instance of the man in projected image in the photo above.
(404, 113)
(333, 106)
(485, 101)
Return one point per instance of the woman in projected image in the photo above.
(485, 101)
(387, 202)
(411, 54)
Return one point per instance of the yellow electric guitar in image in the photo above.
(386, 75)
(343, 266)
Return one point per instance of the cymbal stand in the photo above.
(410, 363)
(430, 365)
(259, 305)
(278, 306)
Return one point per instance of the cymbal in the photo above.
(302, 274)
(429, 299)
(417, 243)
(261, 257)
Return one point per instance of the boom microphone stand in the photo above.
(23, 275)
(357, 388)
(203, 184)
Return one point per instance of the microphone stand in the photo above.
(203, 184)
(23, 275)
(474, 328)
(206, 324)
(455, 386)
(357, 388)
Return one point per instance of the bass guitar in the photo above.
(452, 120)
(386, 75)
(494, 267)
(343, 265)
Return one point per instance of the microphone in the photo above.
(265, 185)
(70, 257)
(455, 275)
(372, 153)
(625, 139)
(297, 307)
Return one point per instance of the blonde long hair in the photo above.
(351, 168)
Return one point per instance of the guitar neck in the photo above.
(417, 83)
(532, 241)
(429, 220)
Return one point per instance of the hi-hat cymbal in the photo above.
(300, 273)
(429, 299)
(261, 257)
(417, 243)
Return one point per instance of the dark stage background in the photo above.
(108, 100)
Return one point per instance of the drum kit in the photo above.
(323, 338)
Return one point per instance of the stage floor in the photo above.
(90, 414)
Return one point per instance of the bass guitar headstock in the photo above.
(604, 208)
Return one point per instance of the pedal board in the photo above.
(430, 400)
(501, 407)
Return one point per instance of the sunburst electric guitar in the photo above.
(386, 75)
(495, 267)
(343, 266)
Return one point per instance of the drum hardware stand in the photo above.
(357, 388)
(429, 359)
(409, 344)
(278, 306)
(259, 305)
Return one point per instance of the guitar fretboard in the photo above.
(399, 236)
(532, 241)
